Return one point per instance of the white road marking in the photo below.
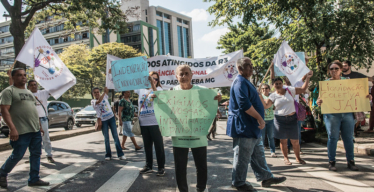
(60, 176)
(123, 179)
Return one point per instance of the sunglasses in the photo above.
(155, 79)
(332, 69)
(264, 88)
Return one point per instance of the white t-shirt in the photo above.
(103, 109)
(297, 84)
(147, 113)
(284, 104)
(43, 97)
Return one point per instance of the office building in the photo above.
(154, 30)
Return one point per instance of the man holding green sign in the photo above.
(187, 117)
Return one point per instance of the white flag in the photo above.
(109, 79)
(290, 64)
(49, 71)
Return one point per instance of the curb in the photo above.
(362, 149)
(59, 136)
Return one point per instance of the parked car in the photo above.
(222, 110)
(86, 116)
(76, 110)
(59, 115)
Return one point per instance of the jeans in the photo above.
(269, 131)
(46, 140)
(33, 141)
(289, 141)
(343, 123)
(180, 161)
(152, 134)
(111, 123)
(249, 150)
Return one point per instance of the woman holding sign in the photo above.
(149, 127)
(339, 122)
(198, 144)
(285, 117)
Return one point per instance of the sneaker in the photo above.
(274, 180)
(245, 187)
(120, 134)
(122, 158)
(161, 172)
(352, 166)
(332, 166)
(146, 170)
(39, 183)
(3, 182)
(51, 160)
(107, 158)
(273, 155)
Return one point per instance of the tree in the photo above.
(75, 13)
(257, 43)
(329, 29)
(75, 57)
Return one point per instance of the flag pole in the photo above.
(267, 72)
(15, 61)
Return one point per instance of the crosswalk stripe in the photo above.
(60, 176)
(123, 179)
(335, 179)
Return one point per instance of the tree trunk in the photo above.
(17, 29)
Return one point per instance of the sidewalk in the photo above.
(364, 142)
(4, 142)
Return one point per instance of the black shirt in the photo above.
(354, 75)
(116, 104)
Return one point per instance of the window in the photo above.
(180, 41)
(4, 29)
(53, 106)
(58, 51)
(6, 62)
(150, 39)
(168, 48)
(186, 42)
(161, 35)
(56, 41)
(146, 19)
(185, 22)
(166, 16)
(179, 20)
(158, 13)
(85, 35)
(146, 13)
(136, 27)
(64, 106)
(130, 28)
(6, 40)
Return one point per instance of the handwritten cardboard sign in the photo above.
(185, 112)
(344, 96)
(130, 74)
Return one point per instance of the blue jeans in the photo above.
(111, 123)
(289, 141)
(269, 131)
(249, 150)
(343, 123)
(33, 141)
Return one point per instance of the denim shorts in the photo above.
(286, 127)
(126, 129)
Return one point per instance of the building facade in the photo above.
(153, 30)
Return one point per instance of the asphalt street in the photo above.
(80, 166)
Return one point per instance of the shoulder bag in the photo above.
(300, 109)
(136, 127)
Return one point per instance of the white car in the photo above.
(86, 116)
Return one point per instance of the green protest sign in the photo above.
(185, 112)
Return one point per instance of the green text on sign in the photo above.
(185, 112)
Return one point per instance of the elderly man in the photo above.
(244, 124)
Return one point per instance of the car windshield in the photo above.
(88, 108)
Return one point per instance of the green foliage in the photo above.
(257, 43)
(4, 80)
(329, 29)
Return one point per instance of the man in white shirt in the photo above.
(41, 106)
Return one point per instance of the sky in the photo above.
(205, 38)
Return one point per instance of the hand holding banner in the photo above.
(109, 79)
(130, 74)
(185, 112)
(344, 96)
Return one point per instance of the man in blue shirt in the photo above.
(244, 124)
